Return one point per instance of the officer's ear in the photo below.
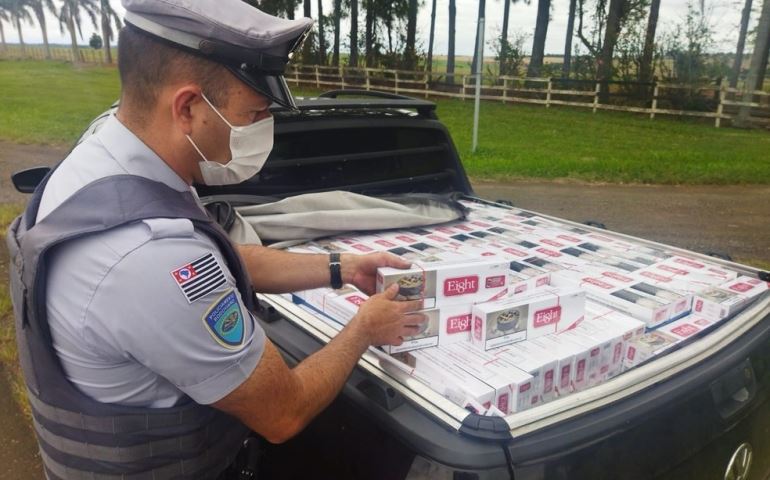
(186, 104)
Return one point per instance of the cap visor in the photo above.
(273, 87)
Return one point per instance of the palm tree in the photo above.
(645, 68)
(450, 59)
(538, 42)
(475, 67)
(567, 65)
(353, 60)
(39, 7)
(71, 18)
(741, 44)
(19, 13)
(108, 18)
(429, 63)
(4, 17)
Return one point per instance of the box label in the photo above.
(685, 330)
(741, 287)
(461, 285)
(689, 263)
(458, 324)
(495, 282)
(548, 316)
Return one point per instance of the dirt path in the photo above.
(729, 219)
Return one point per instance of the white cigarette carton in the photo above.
(515, 387)
(427, 336)
(686, 327)
(549, 366)
(717, 303)
(572, 360)
(443, 376)
(455, 324)
(587, 373)
(746, 286)
(548, 310)
(448, 283)
(610, 342)
(647, 346)
(343, 307)
(701, 267)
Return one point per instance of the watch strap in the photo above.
(335, 270)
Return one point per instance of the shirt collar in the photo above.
(135, 156)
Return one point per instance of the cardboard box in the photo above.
(610, 342)
(746, 286)
(548, 310)
(571, 359)
(701, 267)
(448, 283)
(687, 327)
(455, 323)
(717, 303)
(587, 368)
(515, 387)
(534, 355)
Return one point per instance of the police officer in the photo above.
(139, 349)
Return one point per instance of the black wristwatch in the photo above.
(335, 270)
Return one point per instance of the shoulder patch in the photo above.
(224, 321)
(199, 277)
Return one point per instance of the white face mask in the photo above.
(250, 146)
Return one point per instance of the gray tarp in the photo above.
(307, 217)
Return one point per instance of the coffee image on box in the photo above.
(413, 286)
(656, 339)
(509, 321)
(427, 329)
(716, 294)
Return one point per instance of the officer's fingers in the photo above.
(391, 292)
(410, 330)
(410, 306)
(414, 320)
(395, 261)
(398, 341)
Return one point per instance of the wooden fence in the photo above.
(540, 91)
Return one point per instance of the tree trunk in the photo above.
(646, 72)
(411, 34)
(450, 59)
(106, 40)
(611, 33)
(429, 64)
(40, 14)
(762, 68)
(290, 10)
(307, 47)
(482, 10)
(2, 37)
(567, 65)
(73, 39)
(535, 67)
(321, 39)
(738, 62)
(336, 47)
(369, 34)
(21, 38)
(504, 38)
(353, 59)
(758, 61)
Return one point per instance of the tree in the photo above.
(538, 41)
(410, 54)
(617, 12)
(39, 7)
(321, 38)
(475, 68)
(307, 47)
(429, 63)
(758, 64)
(646, 73)
(450, 60)
(746, 15)
(95, 41)
(353, 60)
(369, 33)
(71, 18)
(19, 13)
(108, 18)
(336, 17)
(4, 17)
(567, 64)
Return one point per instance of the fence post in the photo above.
(596, 97)
(654, 101)
(342, 75)
(720, 107)
(548, 94)
(395, 72)
(317, 79)
(366, 69)
(505, 89)
(463, 77)
(296, 74)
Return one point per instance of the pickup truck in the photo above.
(701, 411)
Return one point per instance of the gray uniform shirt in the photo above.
(147, 313)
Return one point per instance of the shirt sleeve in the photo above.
(172, 305)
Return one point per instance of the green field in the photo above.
(51, 102)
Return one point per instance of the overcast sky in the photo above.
(725, 16)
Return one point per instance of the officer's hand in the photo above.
(386, 321)
(361, 270)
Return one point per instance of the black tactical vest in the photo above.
(79, 437)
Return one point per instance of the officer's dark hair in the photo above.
(146, 64)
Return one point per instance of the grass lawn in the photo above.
(49, 102)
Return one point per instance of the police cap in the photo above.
(253, 45)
